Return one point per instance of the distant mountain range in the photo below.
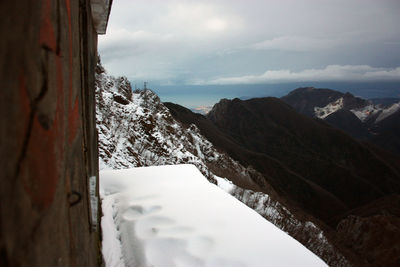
(202, 109)
(376, 120)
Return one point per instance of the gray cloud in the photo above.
(294, 43)
(173, 41)
(331, 73)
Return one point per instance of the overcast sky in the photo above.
(221, 42)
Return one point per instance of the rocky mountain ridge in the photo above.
(136, 129)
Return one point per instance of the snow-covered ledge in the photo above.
(100, 13)
(172, 216)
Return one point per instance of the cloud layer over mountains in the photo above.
(226, 42)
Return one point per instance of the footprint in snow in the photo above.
(135, 212)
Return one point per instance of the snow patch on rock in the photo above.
(388, 111)
(323, 112)
(378, 112)
(366, 112)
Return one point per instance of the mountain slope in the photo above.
(349, 123)
(353, 173)
(317, 153)
(389, 133)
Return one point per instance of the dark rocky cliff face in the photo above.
(48, 139)
(329, 175)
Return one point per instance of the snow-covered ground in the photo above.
(172, 216)
(323, 112)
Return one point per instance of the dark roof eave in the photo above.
(100, 13)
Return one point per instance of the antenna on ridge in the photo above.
(145, 86)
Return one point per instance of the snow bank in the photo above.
(172, 216)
